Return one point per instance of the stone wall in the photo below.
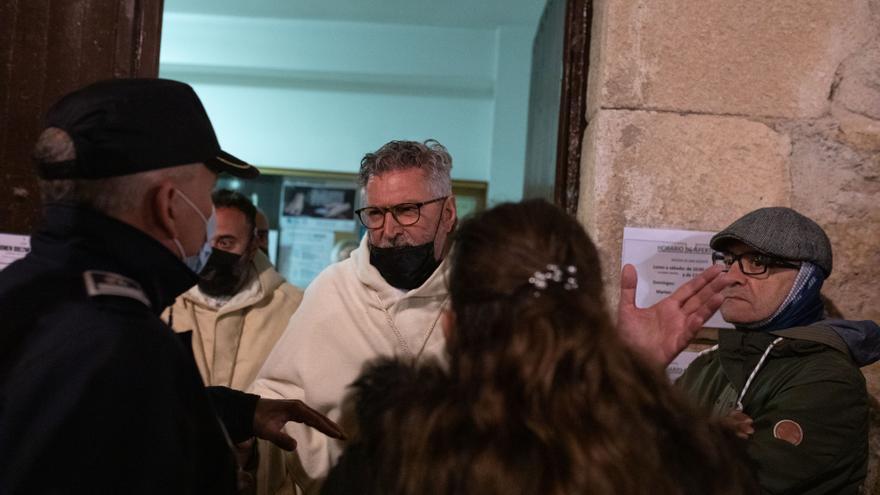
(702, 111)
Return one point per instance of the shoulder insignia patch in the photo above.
(101, 283)
(789, 431)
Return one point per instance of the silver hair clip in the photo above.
(554, 273)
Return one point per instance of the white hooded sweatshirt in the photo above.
(349, 315)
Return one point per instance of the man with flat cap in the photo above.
(97, 394)
(786, 377)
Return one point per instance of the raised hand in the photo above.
(660, 332)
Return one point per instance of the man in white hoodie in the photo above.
(385, 300)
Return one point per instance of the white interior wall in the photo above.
(317, 94)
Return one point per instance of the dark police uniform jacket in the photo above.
(97, 394)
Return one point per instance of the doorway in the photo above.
(558, 103)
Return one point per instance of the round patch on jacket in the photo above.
(789, 431)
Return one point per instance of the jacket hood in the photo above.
(862, 338)
(859, 339)
(741, 351)
(270, 279)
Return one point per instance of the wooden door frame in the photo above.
(48, 49)
(573, 103)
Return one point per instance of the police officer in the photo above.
(97, 395)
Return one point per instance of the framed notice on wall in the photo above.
(316, 216)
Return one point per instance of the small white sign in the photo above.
(664, 260)
(13, 247)
(305, 252)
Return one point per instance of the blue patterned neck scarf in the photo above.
(802, 306)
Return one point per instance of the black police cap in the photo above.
(125, 126)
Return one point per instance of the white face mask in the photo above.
(197, 261)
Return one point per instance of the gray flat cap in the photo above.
(779, 232)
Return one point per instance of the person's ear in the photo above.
(164, 217)
(447, 321)
(450, 215)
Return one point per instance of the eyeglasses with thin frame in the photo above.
(750, 263)
(405, 214)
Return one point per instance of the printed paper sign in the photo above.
(13, 247)
(313, 217)
(306, 253)
(664, 260)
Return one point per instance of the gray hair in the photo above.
(430, 156)
(112, 196)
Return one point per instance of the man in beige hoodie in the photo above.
(237, 312)
(240, 306)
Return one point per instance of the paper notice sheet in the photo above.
(13, 247)
(665, 259)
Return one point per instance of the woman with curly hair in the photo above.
(540, 394)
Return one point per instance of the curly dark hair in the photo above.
(540, 395)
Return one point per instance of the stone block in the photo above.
(749, 57)
(838, 185)
(858, 81)
(872, 377)
(857, 130)
(651, 169)
(852, 286)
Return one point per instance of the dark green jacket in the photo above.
(809, 378)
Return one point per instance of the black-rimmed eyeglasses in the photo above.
(750, 263)
(373, 217)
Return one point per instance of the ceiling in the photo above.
(459, 13)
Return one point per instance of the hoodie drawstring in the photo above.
(739, 404)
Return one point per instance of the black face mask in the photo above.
(223, 273)
(405, 267)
